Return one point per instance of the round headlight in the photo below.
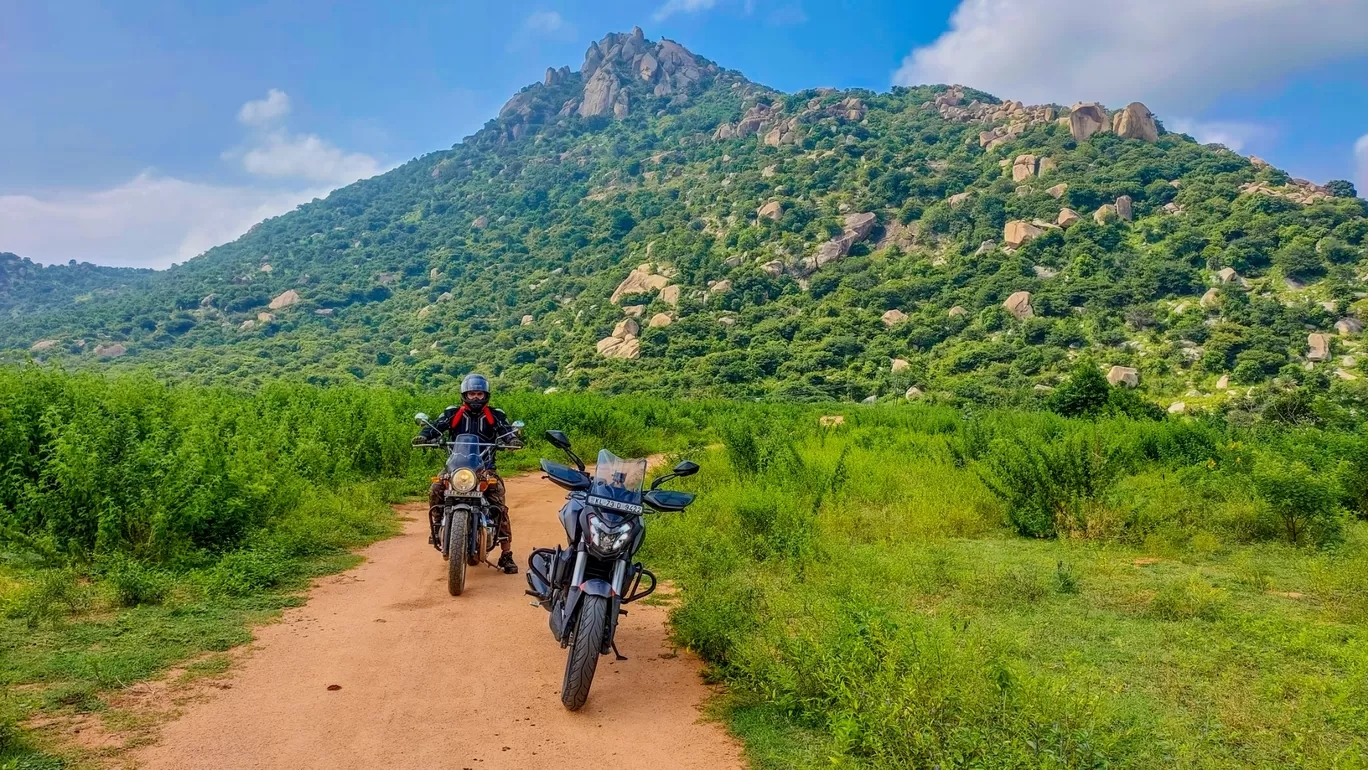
(463, 481)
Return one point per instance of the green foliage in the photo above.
(1341, 188)
(1053, 485)
(136, 584)
(1306, 503)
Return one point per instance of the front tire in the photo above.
(456, 546)
(585, 644)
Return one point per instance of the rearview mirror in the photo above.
(686, 468)
(420, 418)
(558, 439)
(519, 425)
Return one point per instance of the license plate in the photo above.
(614, 505)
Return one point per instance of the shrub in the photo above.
(135, 583)
(1187, 599)
(1056, 485)
(53, 595)
(1305, 503)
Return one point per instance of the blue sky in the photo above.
(141, 133)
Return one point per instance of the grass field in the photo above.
(919, 587)
(858, 594)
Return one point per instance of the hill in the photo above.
(655, 222)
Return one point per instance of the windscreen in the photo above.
(617, 483)
(467, 452)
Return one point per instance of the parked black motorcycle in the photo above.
(585, 585)
(469, 525)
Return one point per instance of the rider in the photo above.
(475, 416)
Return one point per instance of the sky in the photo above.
(142, 132)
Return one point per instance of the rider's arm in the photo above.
(443, 424)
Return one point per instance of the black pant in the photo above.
(495, 494)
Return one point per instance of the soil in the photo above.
(383, 668)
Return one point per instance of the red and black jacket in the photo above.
(488, 423)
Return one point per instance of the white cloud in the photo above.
(149, 221)
(545, 22)
(263, 112)
(1235, 135)
(305, 156)
(152, 221)
(1361, 156)
(1175, 55)
(671, 7)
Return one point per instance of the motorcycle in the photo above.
(467, 530)
(585, 585)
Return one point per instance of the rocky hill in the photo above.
(655, 222)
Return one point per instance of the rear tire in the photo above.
(456, 552)
(585, 644)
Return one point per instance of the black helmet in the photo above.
(475, 383)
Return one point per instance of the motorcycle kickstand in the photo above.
(617, 654)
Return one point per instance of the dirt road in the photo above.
(432, 681)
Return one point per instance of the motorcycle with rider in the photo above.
(467, 503)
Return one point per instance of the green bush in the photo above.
(136, 584)
(1053, 485)
(1302, 500)
(52, 595)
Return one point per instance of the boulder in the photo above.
(1136, 122)
(1067, 217)
(481, 222)
(110, 351)
(670, 295)
(958, 198)
(425, 312)
(527, 320)
(831, 420)
(721, 287)
(1348, 327)
(247, 325)
(326, 312)
(285, 300)
(1046, 166)
(1058, 190)
(640, 281)
(861, 225)
(1105, 214)
(1018, 232)
(1024, 191)
(1086, 120)
(1023, 168)
(1124, 375)
(901, 365)
(772, 210)
(1177, 407)
(265, 318)
(985, 247)
(42, 345)
(1019, 305)
(893, 317)
(1043, 272)
(1346, 376)
(1223, 383)
(1211, 298)
(660, 321)
(913, 393)
(957, 312)
(1319, 347)
(627, 327)
(1227, 275)
(774, 268)
(769, 171)
(634, 311)
(1124, 208)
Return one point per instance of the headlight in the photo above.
(606, 539)
(463, 481)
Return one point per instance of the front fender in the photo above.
(569, 615)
